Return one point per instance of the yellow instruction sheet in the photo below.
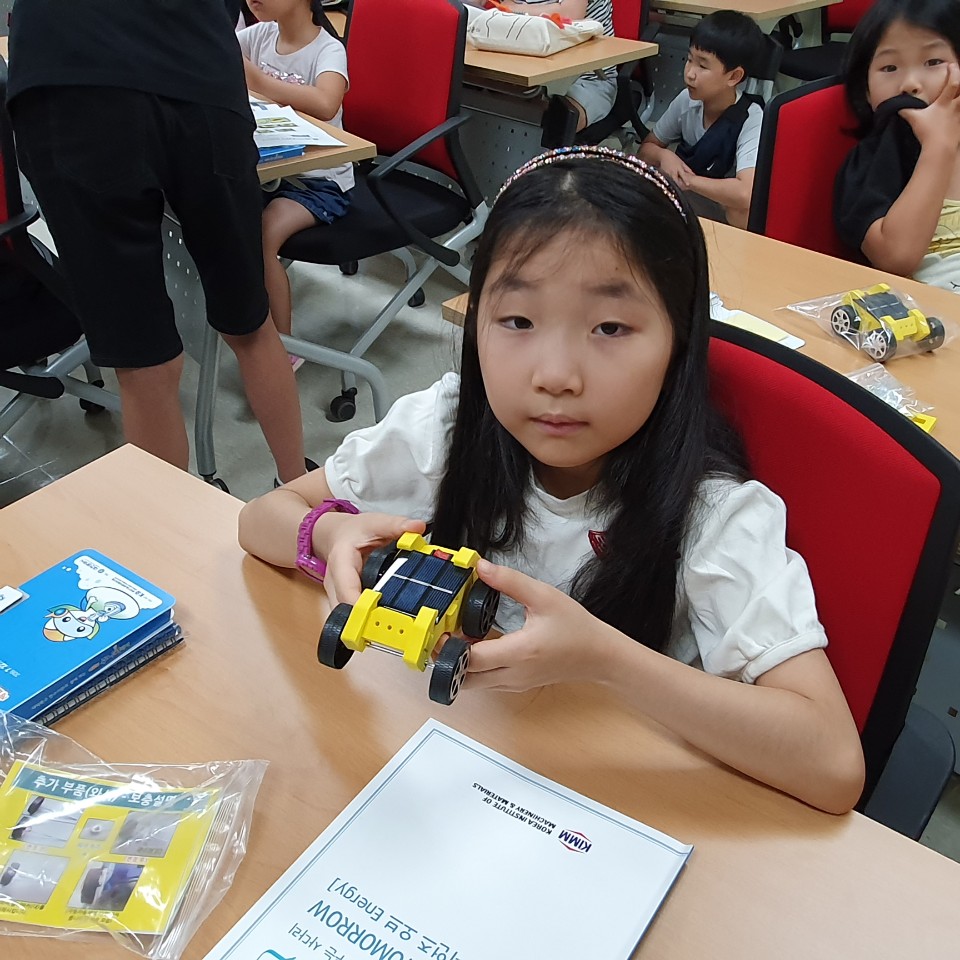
(80, 852)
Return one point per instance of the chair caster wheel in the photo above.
(344, 407)
(349, 268)
(88, 406)
(418, 299)
(217, 482)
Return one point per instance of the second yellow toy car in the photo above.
(876, 321)
(415, 594)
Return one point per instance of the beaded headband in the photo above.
(629, 162)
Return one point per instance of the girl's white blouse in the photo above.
(744, 599)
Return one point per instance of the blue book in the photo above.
(169, 636)
(280, 153)
(70, 622)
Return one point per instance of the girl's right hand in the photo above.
(940, 121)
(345, 539)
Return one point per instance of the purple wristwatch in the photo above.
(307, 561)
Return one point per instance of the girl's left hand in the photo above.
(560, 641)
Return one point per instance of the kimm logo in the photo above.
(575, 841)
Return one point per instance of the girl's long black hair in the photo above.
(939, 16)
(649, 484)
(321, 19)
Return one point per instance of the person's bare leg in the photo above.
(581, 113)
(150, 407)
(272, 391)
(282, 218)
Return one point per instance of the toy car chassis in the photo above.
(415, 594)
(876, 320)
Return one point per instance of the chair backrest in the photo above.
(843, 17)
(11, 200)
(629, 18)
(767, 64)
(406, 65)
(805, 139)
(873, 506)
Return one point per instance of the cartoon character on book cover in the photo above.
(105, 596)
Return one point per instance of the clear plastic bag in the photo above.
(139, 852)
(880, 322)
(888, 388)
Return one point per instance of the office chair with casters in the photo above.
(805, 138)
(634, 87)
(39, 333)
(873, 507)
(420, 188)
(825, 59)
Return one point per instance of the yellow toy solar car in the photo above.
(415, 594)
(876, 320)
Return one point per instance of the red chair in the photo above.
(409, 105)
(805, 139)
(826, 59)
(36, 320)
(631, 22)
(873, 506)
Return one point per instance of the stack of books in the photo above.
(75, 630)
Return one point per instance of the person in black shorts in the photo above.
(119, 106)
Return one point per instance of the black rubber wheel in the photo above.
(479, 610)
(376, 564)
(349, 268)
(332, 651)
(344, 407)
(17, 832)
(217, 482)
(34, 805)
(7, 876)
(449, 671)
(937, 334)
(88, 406)
(844, 321)
(418, 299)
(879, 344)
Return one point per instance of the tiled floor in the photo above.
(56, 437)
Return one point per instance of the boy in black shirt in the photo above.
(119, 105)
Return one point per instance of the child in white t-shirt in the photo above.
(294, 58)
(578, 448)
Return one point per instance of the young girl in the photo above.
(577, 447)
(898, 194)
(289, 59)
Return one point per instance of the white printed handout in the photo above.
(454, 852)
(280, 126)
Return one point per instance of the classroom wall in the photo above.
(5, 7)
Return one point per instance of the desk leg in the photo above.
(200, 340)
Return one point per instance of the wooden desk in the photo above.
(769, 876)
(319, 158)
(761, 276)
(524, 71)
(761, 10)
